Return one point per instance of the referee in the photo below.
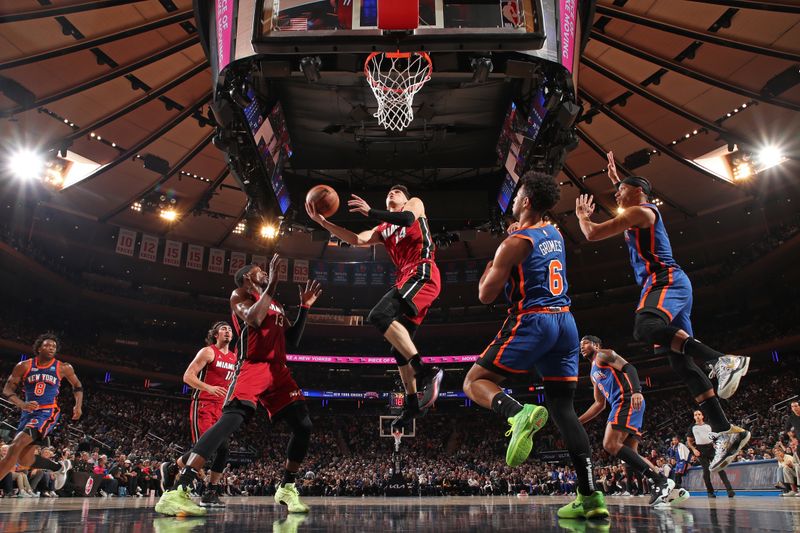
(702, 447)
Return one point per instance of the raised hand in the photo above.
(358, 205)
(612, 169)
(311, 292)
(584, 206)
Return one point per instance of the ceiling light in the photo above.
(268, 231)
(169, 214)
(26, 164)
(240, 228)
(620, 210)
(769, 157)
(136, 206)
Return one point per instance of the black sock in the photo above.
(417, 364)
(505, 405)
(213, 488)
(289, 477)
(584, 472)
(714, 415)
(638, 464)
(695, 348)
(412, 402)
(187, 477)
(45, 464)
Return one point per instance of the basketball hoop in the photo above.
(395, 77)
(397, 436)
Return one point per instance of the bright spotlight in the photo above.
(169, 214)
(620, 210)
(268, 231)
(769, 157)
(26, 164)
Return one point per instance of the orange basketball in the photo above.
(324, 199)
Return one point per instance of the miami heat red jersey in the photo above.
(217, 373)
(408, 247)
(266, 342)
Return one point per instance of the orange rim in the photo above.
(397, 55)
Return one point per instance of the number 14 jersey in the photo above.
(540, 280)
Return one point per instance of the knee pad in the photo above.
(383, 314)
(653, 329)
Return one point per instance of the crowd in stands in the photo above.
(124, 436)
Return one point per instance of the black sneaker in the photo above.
(731, 494)
(428, 383)
(167, 470)
(712, 495)
(211, 499)
(661, 490)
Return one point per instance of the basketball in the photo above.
(324, 199)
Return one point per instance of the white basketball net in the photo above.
(397, 436)
(395, 77)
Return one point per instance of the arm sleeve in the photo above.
(630, 371)
(295, 331)
(399, 218)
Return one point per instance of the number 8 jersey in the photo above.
(540, 280)
(42, 383)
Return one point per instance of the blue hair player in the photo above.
(41, 379)
(665, 306)
(616, 381)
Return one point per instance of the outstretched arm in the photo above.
(294, 333)
(510, 253)
(77, 389)
(636, 216)
(365, 238)
(410, 213)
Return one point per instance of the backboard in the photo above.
(385, 427)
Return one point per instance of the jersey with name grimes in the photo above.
(540, 281)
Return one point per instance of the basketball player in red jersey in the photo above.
(405, 233)
(262, 378)
(209, 374)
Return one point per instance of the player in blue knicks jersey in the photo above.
(41, 379)
(665, 305)
(616, 382)
(538, 334)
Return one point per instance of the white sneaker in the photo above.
(729, 370)
(103, 493)
(61, 474)
(727, 446)
(677, 496)
(53, 494)
(790, 493)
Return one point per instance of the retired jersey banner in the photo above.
(149, 248)
(125, 241)
(360, 274)
(194, 257)
(260, 260)
(300, 271)
(377, 274)
(216, 260)
(172, 253)
(319, 271)
(283, 269)
(238, 260)
(341, 273)
(452, 272)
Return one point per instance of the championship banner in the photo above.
(172, 253)
(452, 272)
(471, 271)
(260, 260)
(238, 259)
(125, 241)
(283, 269)
(216, 260)
(360, 274)
(377, 274)
(149, 248)
(319, 270)
(300, 271)
(194, 257)
(341, 274)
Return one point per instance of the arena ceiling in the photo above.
(120, 81)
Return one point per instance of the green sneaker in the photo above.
(594, 505)
(573, 509)
(178, 503)
(524, 424)
(287, 495)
